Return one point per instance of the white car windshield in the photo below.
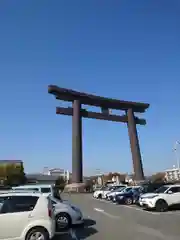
(127, 189)
(162, 189)
(111, 188)
(119, 189)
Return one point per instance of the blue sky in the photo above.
(123, 49)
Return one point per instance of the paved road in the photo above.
(105, 220)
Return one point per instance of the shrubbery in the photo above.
(60, 183)
(12, 174)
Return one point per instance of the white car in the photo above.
(66, 214)
(27, 215)
(45, 189)
(114, 189)
(99, 193)
(111, 195)
(123, 190)
(161, 199)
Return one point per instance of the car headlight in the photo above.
(150, 197)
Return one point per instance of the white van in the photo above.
(45, 189)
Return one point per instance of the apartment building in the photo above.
(172, 174)
(57, 172)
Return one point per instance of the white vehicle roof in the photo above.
(19, 191)
(173, 185)
(36, 194)
(34, 186)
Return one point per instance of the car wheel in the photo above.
(37, 233)
(100, 196)
(161, 206)
(63, 221)
(128, 201)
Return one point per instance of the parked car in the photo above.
(126, 189)
(112, 189)
(66, 214)
(127, 197)
(99, 193)
(112, 194)
(149, 188)
(110, 183)
(28, 216)
(45, 189)
(162, 198)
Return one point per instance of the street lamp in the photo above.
(176, 153)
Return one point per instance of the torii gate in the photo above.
(106, 105)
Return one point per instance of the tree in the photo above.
(105, 178)
(60, 183)
(158, 177)
(15, 174)
(122, 178)
(3, 172)
(111, 175)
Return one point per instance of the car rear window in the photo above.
(24, 203)
(19, 204)
(46, 190)
(26, 189)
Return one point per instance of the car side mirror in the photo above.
(170, 192)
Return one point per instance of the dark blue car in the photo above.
(128, 198)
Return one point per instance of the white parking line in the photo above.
(105, 213)
(98, 209)
(153, 213)
(138, 208)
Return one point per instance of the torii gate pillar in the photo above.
(134, 144)
(77, 165)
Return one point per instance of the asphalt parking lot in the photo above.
(105, 220)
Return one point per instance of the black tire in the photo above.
(100, 196)
(63, 221)
(129, 201)
(37, 230)
(161, 206)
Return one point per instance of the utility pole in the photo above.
(176, 153)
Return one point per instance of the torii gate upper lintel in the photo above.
(106, 104)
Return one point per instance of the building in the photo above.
(58, 172)
(41, 179)
(172, 174)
